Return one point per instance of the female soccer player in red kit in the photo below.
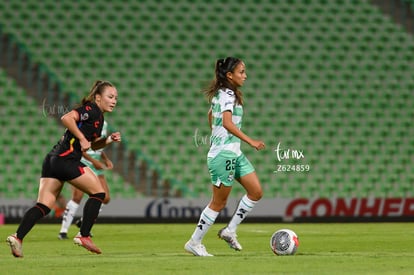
(63, 163)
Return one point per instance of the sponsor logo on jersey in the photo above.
(84, 116)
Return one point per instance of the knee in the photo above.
(77, 196)
(98, 196)
(107, 199)
(77, 199)
(255, 195)
(217, 205)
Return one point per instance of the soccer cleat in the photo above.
(197, 249)
(15, 245)
(230, 238)
(87, 243)
(63, 236)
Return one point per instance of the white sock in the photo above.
(245, 206)
(68, 215)
(207, 218)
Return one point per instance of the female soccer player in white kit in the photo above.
(225, 160)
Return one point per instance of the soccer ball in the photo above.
(284, 242)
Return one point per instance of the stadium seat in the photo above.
(323, 83)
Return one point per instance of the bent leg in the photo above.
(251, 184)
(89, 183)
(220, 196)
(49, 189)
(210, 213)
(104, 185)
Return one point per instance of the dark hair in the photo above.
(223, 66)
(97, 89)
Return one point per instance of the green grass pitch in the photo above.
(325, 248)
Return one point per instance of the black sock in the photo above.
(30, 218)
(90, 213)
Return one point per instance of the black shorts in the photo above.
(61, 168)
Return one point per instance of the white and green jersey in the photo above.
(96, 154)
(221, 139)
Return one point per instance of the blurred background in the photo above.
(330, 79)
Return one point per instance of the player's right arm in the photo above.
(100, 143)
(229, 126)
(70, 120)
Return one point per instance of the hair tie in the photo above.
(220, 62)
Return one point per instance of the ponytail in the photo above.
(223, 66)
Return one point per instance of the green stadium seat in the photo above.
(320, 84)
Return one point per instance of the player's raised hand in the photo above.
(116, 137)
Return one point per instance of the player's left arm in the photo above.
(102, 142)
(107, 161)
(232, 128)
(96, 163)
